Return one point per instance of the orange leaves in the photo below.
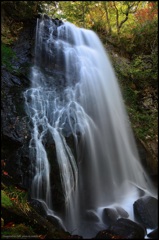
(5, 173)
(147, 13)
(14, 199)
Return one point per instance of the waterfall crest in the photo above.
(75, 93)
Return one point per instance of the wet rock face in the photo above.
(16, 128)
(148, 152)
(15, 134)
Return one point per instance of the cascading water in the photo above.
(75, 93)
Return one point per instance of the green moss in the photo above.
(18, 230)
(7, 56)
(5, 200)
(144, 123)
(20, 198)
(18, 194)
(130, 96)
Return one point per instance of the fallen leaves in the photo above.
(5, 173)
(9, 224)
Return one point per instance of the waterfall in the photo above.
(75, 93)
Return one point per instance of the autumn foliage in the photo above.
(148, 13)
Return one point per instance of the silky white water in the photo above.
(75, 93)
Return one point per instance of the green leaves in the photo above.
(143, 70)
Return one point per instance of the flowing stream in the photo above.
(75, 92)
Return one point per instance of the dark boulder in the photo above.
(91, 216)
(38, 206)
(122, 229)
(55, 221)
(122, 212)
(109, 216)
(74, 237)
(146, 211)
(153, 234)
